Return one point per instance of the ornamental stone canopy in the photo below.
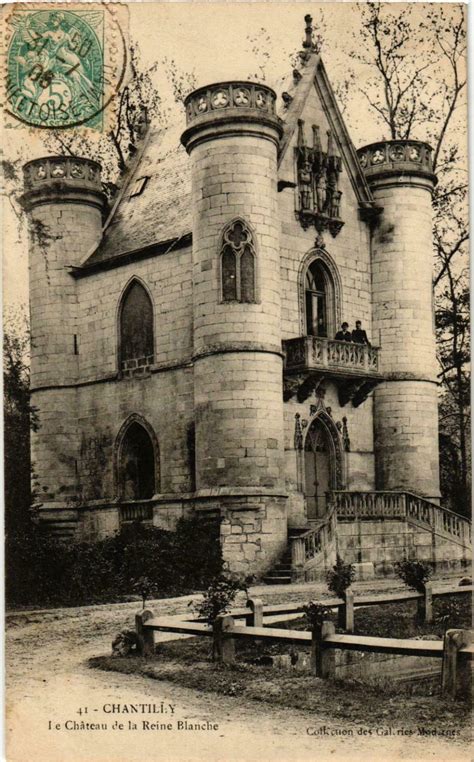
(397, 157)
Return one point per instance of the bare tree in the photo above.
(139, 104)
(416, 88)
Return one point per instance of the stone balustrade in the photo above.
(314, 352)
(136, 510)
(369, 505)
(314, 546)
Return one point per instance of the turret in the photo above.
(64, 200)
(232, 137)
(406, 408)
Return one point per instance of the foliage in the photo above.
(19, 417)
(340, 577)
(450, 612)
(219, 596)
(42, 570)
(415, 574)
(424, 97)
(144, 587)
(316, 614)
(197, 543)
(139, 104)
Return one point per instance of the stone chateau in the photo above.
(183, 339)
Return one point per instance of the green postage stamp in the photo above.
(64, 63)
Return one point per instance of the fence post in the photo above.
(456, 672)
(145, 636)
(349, 611)
(255, 618)
(223, 643)
(322, 659)
(429, 602)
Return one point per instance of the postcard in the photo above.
(236, 381)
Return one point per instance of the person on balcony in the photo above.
(359, 336)
(344, 334)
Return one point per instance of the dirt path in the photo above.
(49, 681)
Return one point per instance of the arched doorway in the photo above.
(322, 466)
(137, 464)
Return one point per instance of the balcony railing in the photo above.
(137, 510)
(314, 352)
(309, 359)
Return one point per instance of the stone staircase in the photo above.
(378, 528)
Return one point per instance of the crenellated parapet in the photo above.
(397, 158)
(62, 179)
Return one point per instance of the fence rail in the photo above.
(456, 649)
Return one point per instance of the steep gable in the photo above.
(309, 82)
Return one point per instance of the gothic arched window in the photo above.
(136, 328)
(319, 301)
(238, 263)
(137, 477)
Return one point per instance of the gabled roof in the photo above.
(161, 212)
(160, 217)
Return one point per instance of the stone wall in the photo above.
(386, 541)
(349, 250)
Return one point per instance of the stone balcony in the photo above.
(309, 360)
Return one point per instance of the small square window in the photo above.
(138, 186)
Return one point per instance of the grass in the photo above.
(383, 701)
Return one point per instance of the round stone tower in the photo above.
(64, 200)
(232, 137)
(401, 179)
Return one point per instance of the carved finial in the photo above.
(308, 42)
(330, 144)
(316, 138)
(301, 138)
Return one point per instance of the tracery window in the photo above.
(136, 328)
(238, 263)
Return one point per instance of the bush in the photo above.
(415, 574)
(316, 614)
(340, 577)
(41, 570)
(219, 596)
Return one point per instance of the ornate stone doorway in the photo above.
(323, 466)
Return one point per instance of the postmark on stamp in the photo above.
(64, 63)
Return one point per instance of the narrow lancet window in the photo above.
(136, 328)
(238, 262)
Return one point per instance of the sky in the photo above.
(215, 41)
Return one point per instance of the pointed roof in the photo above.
(313, 74)
(160, 217)
(160, 214)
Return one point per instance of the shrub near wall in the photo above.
(42, 571)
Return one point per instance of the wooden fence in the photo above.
(456, 649)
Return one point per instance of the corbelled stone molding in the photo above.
(231, 108)
(60, 178)
(390, 158)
